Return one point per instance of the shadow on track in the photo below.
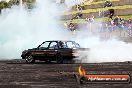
(19, 61)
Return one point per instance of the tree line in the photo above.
(4, 4)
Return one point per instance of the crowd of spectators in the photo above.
(70, 25)
(117, 23)
(113, 23)
(120, 23)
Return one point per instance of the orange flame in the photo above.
(81, 71)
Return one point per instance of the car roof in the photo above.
(60, 40)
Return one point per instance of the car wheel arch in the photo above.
(29, 58)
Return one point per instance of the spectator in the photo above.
(130, 21)
(130, 24)
(116, 20)
(112, 26)
(122, 20)
(89, 19)
(66, 25)
(107, 4)
(92, 18)
(79, 8)
(77, 16)
(72, 27)
(111, 13)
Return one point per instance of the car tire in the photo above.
(30, 59)
(59, 59)
(47, 61)
(64, 61)
(67, 61)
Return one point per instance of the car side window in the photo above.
(70, 44)
(53, 45)
(44, 45)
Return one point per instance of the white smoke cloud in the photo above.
(20, 29)
(110, 50)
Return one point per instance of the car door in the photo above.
(64, 49)
(52, 50)
(42, 50)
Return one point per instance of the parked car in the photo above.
(59, 51)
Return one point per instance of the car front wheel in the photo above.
(30, 59)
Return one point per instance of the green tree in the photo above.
(3, 4)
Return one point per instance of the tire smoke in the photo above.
(21, 29)
(102, 50)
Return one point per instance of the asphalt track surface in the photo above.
(18, 74)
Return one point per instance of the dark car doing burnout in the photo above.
(59, 51)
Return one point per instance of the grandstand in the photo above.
(122, 8)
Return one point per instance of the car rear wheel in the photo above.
(47, 61)
(30, 59)
(68, 61)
